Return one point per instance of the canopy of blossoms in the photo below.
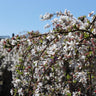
(61, 62)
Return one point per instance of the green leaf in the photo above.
(28, 32)
(29, 47)
(92, 77)
(15, 92)
(69, 29)
(86, 35)
(74, 26)
(88, 21)
(18, 71)
(5, 46)
(90, 53)
(53, 69)
(52, 57)
(52, 90)
(74, 81)
(44, 37)
(68, 94)
(18, 37)
(20, 60)
(46, 53)
(91, 29)
(68, 76)
(57, 65)
(41, 41)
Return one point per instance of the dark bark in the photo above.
(7, 85)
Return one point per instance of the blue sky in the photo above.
(24, 15)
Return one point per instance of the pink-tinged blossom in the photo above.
(90, 14)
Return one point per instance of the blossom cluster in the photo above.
(58, 63)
